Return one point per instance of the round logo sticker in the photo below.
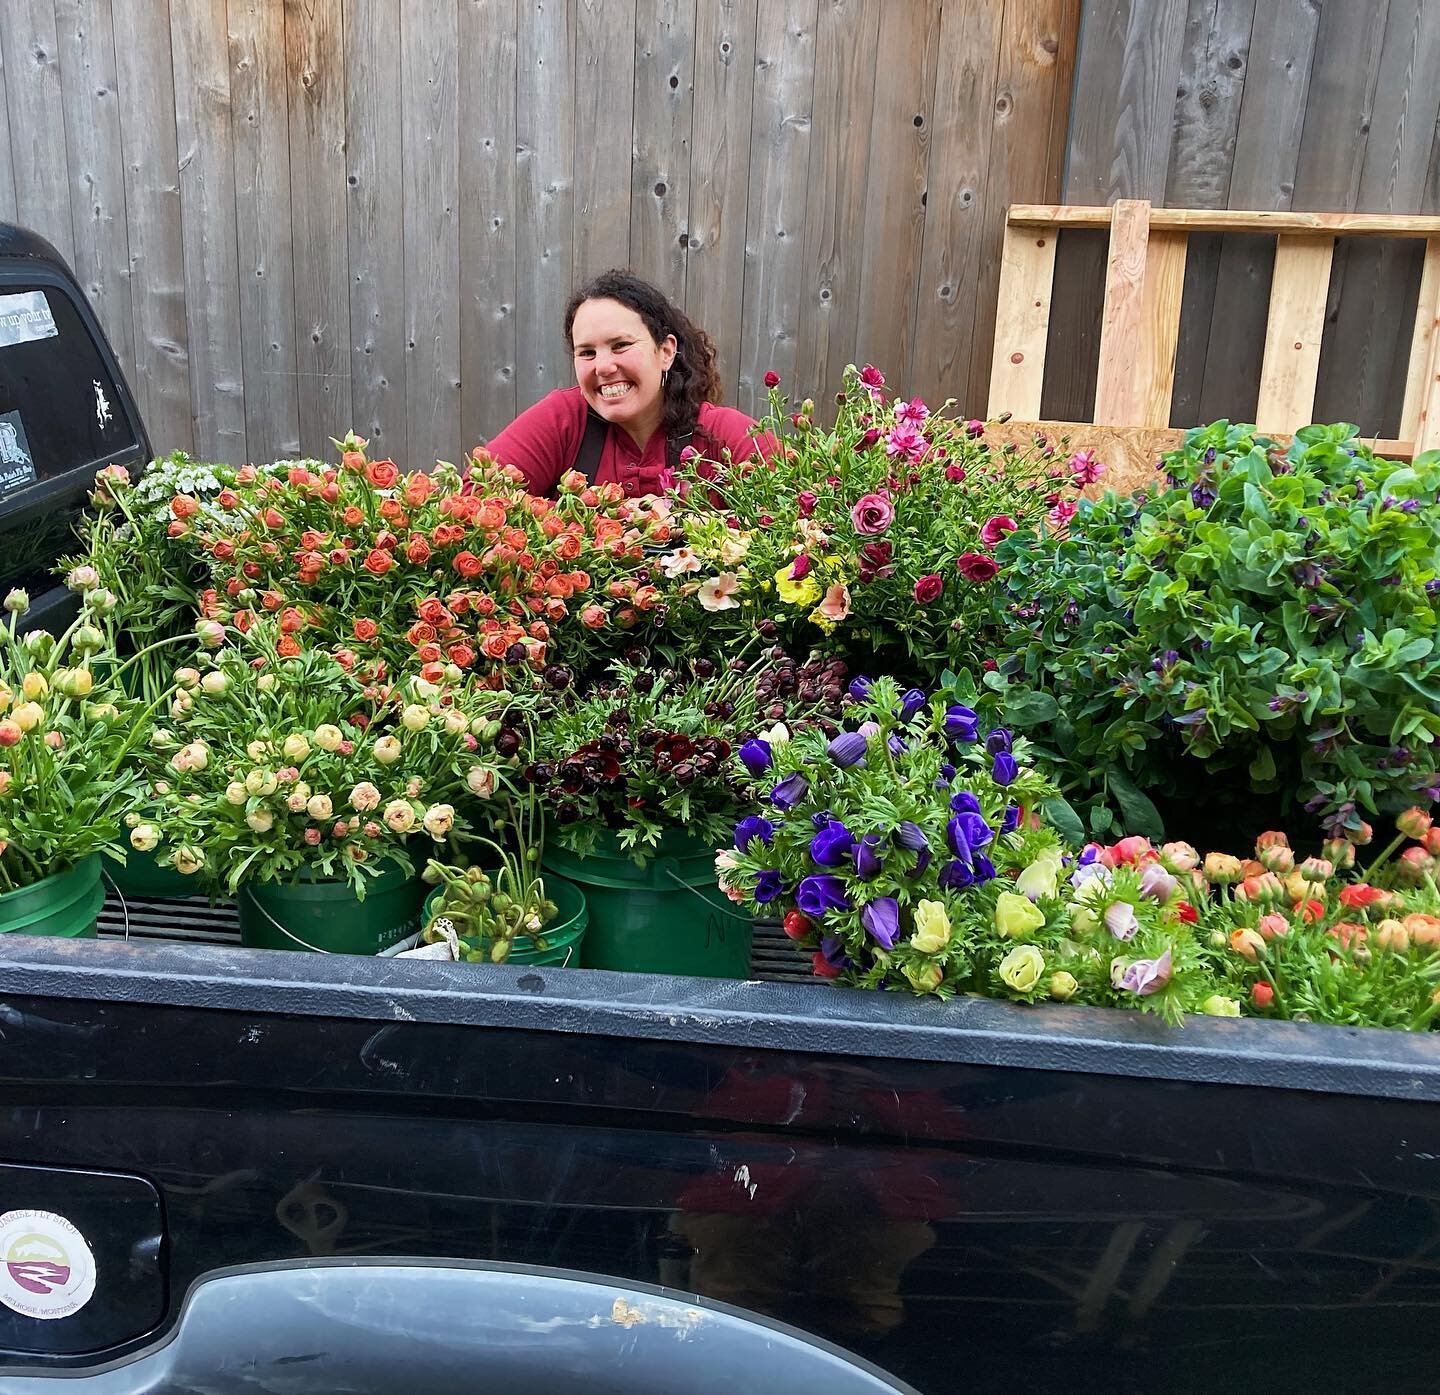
(46, 1268)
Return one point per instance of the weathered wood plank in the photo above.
(97, 168)
(145, 87)
(39, 157)
(487, 225)
(1420, 413)
(899, 139)
(775, 218)
(605, 47)
(1022, 322)
(428, 44)
(1228, 220)
(545, 211)
(1293, 332)
(375, 225)
(261, 125)
(719, 175)
(315, 61)
(1119, 394)
(1029, 81)
(845, 48)
(660, 171)
(207, 204)
(7, 167)
(959, 165)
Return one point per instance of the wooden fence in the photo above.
(1287, 105)
(298, 215)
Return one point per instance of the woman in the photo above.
(646, 388)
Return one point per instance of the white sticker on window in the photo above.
(46, 1268)
(24, 317)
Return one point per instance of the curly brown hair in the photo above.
(693, 377)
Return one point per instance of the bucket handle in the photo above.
(124, 908)
(669, 870)
(314, 949)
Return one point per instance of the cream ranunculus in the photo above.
(188, 860)
(28, 715)
(932, 927)
(1020, 970)
(456, 722)
(399, 816)
(260, 820)
(319, 807)
(439, 820)
(364, 797)
(480, 781)
(415, 718)
(236, 793)
(1016, 916)
(1040, 878)
(328, 737)
(388, 750)
(214, 682)
(295, 748)
(145, 837)
(261, 782)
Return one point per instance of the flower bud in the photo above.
(456, 722)
(1221, 869)
(260, 820)
(261, 782)
(319, 807)
(932, 927)
(1246, 942)
(1392, 934)
(6, 780)
(1317, 869)
(215, 682)
(1414, 823)
(75, 682)
(1217, 1005)
(189, 860)
(28, 715)
(1179, 857)
(87, 640)
(34, 686)
(415, 718)
(1414, 863)
(480, 781)
(102, 602)
(187, 678)
(925, 977)
(265, 682)
(328, 737)
(17, 601)
(1339, 852)
(1062, 985)
(388, 750)
(1020, 970)
(1016, 916)
(144, 837)
(39, 644)
(235, 793)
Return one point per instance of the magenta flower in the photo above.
(1085, 468)
(807, 502)
(974, 428)
(905, 443)
(912, 413)
(873, 379)
(873, 513)
(1063, 512)
(995, 528)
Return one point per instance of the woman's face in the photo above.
(618, 365)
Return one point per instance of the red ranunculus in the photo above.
(928, 588)
(467, 564)
(382, 473)
(366, 630)
(378, 561)
(976, 566)
(995, 528)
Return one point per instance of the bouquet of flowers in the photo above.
(646, 751)
(67, 731)
(367, 561)
(276, 764)
(881, 531)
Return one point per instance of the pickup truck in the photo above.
(234, 1170)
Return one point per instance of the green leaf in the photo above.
(1262, 768)
(1141, 816)
(1029, 708)
(1063, 819)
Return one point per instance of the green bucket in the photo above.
(563, 937)
(143, 878)
(326, 917)
(667, 917)
(66, 905)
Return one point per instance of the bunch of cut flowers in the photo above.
(880, 532)
(67, 732)
(272, 765)
(424, 568)
(645, 751)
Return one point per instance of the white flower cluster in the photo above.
(179, 474)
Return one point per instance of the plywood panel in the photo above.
(315, 62)
(145, 87)
(375, 225)
(487, 224)
(428, 46)
(605, 43)
(720, 175)
(207, 203)
(261, 128)
(97, 168)
(775, 220)
(660, 173)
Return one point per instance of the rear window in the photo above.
(60, 411)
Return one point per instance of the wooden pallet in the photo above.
(1140, 327)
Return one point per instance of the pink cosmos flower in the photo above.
(719, 592)
(912, 413)
(836, 603)
(873, 513)
(995, 528)
(1085, 468)
(905, 443)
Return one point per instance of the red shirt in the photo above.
(544, 440)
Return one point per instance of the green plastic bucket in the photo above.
(563, 937)
(67, 904)
(142, 877)
(326, 916)
(667, 917)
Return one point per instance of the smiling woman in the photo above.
(646, 388)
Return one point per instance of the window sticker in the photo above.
(46, 1268)
(25, 317)
(17, 469)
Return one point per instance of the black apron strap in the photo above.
(592, 444)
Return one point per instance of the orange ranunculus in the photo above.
(1423, 929)
(580, 580)
(1310, 909)
(417, 550)
(467, 564)
(1246, 942)
(461, 655)
(646, 598)
(493, 646)
(272, 518)
(593, 617)
(352, 460)
(567, 549)
(483, 604)
(491, 517)
(552, 525)
(378, 562)
(432, 611)
(559, 587)
(183, 506)
(433, 672)
(429, 653)
(271, 600)
(291, 620)
(393, 512)
(288, 647)
(1358, 895)
(1272, 925)
(556, 611)
(365, 630)
(382, 473)
(1348, 933)
(418, 488)
(420, 633)
(339, 557)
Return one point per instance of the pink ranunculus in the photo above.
(995, 528)
(873, 513)
(905, 443)
(1085, 468)
(1063, 512)
(807, 502)
(912, 413)
(976, 566)
(955, 474)
(928, 588)
(836, 603)
(872, 378)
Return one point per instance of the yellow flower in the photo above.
(923, 978)
(1041, 877)
(805, 592)
(1020, 970)
(1062, 985)
(1218, 1006)
(1015, 917)
(932, 927)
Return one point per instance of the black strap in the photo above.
(592, 445)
